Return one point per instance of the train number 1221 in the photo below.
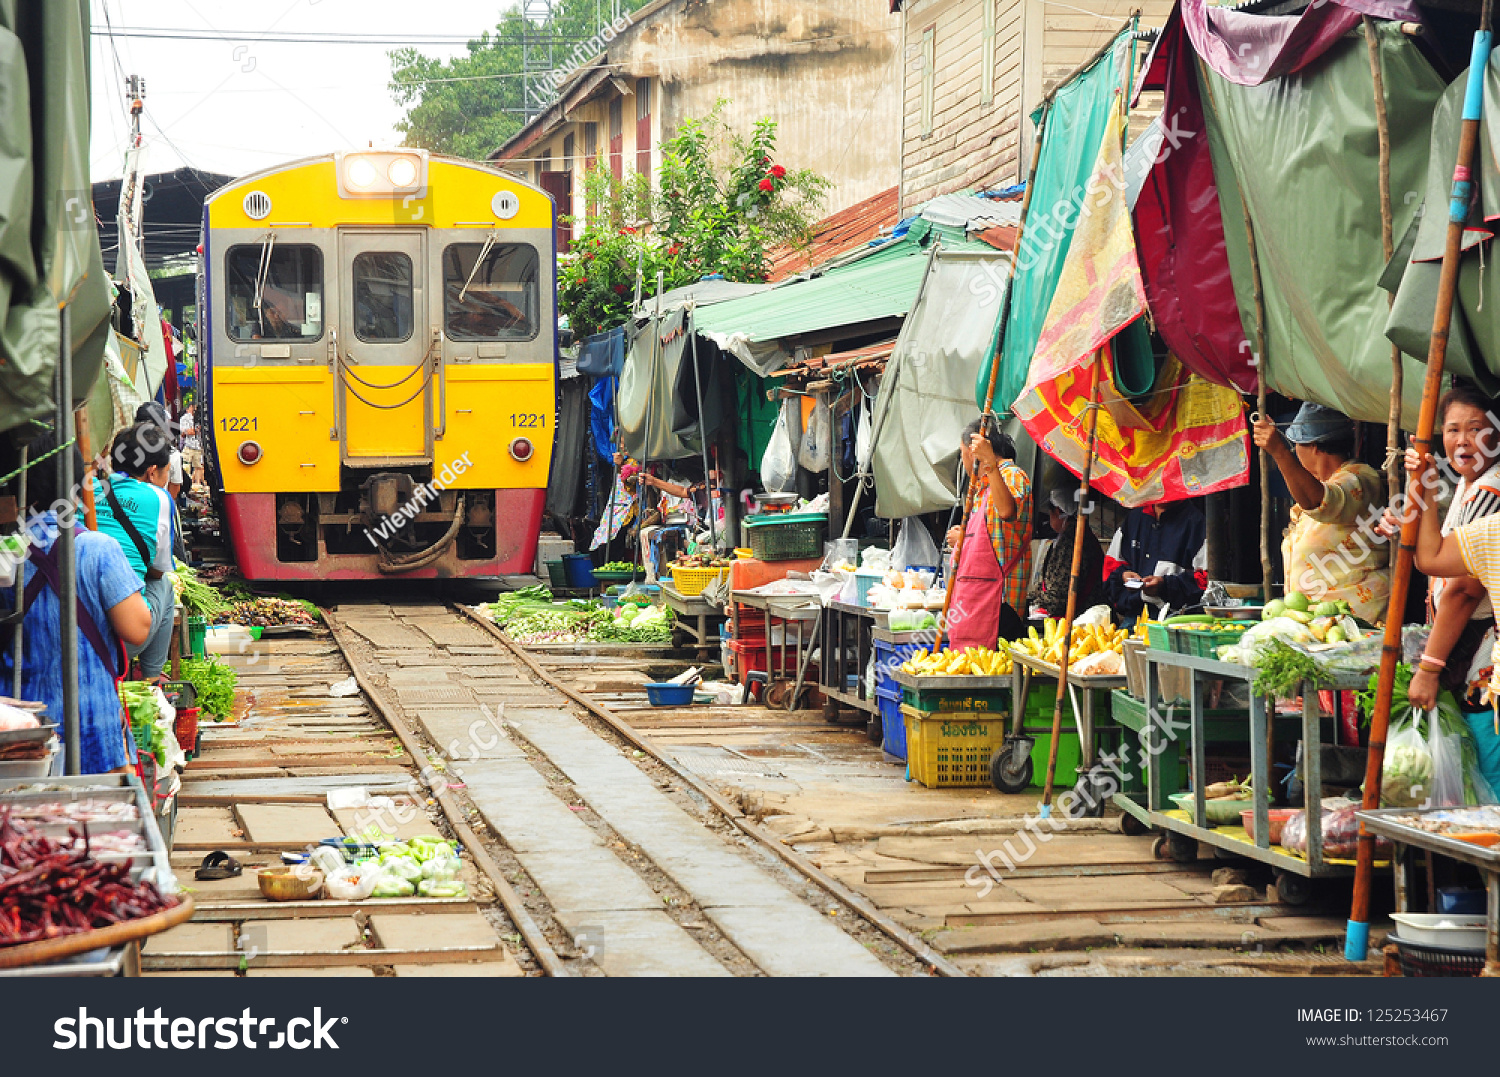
(239, 424)
(531, 420)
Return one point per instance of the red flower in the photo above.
(767, 184)
(778, 171)
(583, 280)
(627, 230)
(674, 248)
(619, 289)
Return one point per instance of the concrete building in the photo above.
(828, 71)
(975, 69)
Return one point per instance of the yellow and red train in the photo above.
(378, 350)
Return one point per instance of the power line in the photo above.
(300, 37)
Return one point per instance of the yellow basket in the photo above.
(693, 581)
(950, 749)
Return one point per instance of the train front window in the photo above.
(382, 297)
(274, 291)
(490, 291)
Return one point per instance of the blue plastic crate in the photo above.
(891, 721)
(888, 659)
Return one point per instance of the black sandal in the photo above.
(218, 865)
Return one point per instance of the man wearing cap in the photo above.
(1329, 554)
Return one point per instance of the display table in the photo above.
(847, 640)
(1185, 829)
(1025, 667)
(694, 614)
(114, 950)
(1391, 823)
(790, 611)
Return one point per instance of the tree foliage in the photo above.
(721, 205)
(470, 105)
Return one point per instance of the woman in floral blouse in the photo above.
(1332, 550)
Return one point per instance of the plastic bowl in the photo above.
(666, 694)
(283, 884)
(1441, 929)
(1277, 818)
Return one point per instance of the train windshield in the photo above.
(490, 291)
(382, 297)
(274, 291)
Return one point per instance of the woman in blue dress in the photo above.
(111, 608)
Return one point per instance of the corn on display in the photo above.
(1087, 639)
(972, 662)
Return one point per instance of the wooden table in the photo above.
(694, 613)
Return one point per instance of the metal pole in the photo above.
(1357, 938)
(1067, 647)
(713, 523)
(67, 564)
(20, 599)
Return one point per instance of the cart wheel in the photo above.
(1089, 794)
(1159, 847)
(1181, 848)
(777, 693)
(1132, 827)
(831, 712)
(679, 638)
(876, 730)
(1292, 889)
(1007, 777)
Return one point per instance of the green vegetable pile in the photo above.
(140, 700)
(214, 683)
(618, 566)
(426, 866)
(198, 598)
(530, 616)
(1281, 671)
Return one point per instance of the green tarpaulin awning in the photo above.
(49, 248)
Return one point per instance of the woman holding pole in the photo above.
(989, 582)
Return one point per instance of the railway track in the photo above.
(607, 857)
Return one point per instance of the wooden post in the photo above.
(1387, 247)
(1357, 937)
(1080, 525)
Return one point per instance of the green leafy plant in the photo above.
(214, 683)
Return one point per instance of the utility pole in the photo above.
(135, 90)
(536, 56)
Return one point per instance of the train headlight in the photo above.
(361, 174)
(522, 450)
(382, 173)
(402, 172)
(249, 452)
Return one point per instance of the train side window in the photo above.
(498, 299)
(286, 280)
(382, 297)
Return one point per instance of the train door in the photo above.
(385, 354)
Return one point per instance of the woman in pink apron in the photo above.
(1001, 516)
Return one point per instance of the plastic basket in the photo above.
(1205, 643)
(694, 581)
(615, 575)
(1425, 959)
(891, 721)
(1159, 637)
(197, 635)
(947, 749)
(752, 656)
(557, 574)
(787, 537)
(954, 700)
(863, 581)
(186, 728)
(665, 694)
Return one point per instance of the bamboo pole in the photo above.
(1357, 938)
(989, 394)
(1387, 247)
(1079, 527)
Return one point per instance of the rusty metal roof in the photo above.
(837, 234)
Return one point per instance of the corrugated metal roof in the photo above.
(880, 285)
(838, 233)
(971, 212)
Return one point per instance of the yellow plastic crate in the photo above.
(693, 581)
(945, 748)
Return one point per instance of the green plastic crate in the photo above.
(1201, 644)
(788, 536)
(992, 701)
(1158, 637)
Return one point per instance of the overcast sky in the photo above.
(235, 106)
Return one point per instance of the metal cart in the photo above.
(846, 639)
(792, 611)
(1011, 769)
(1387, 823)
(1184, 830)
(695, 616)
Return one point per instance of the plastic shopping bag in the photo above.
(914, 547)
(1406, 776)
(778, 467)
(815, 450)
(1446, 747)
(864, 436)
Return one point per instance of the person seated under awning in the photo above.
(1156, 560)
